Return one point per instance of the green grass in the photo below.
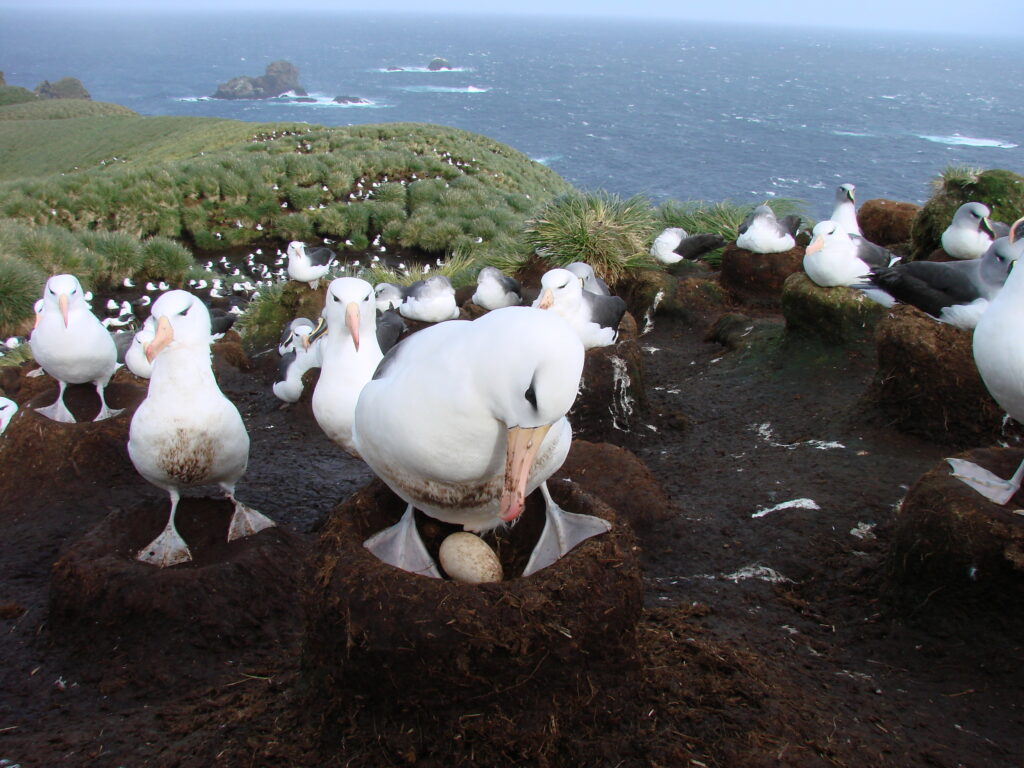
(610, 234)
(60, 109)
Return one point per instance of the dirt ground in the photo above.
(770, 634)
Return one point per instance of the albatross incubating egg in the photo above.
(467, 558)
(971, 232)
(71, 344)
(594, 317)
(761, 232)
(430, 301)
(186, 432)
(464, 419)
(495, 290)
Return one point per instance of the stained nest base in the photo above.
(538, 668)
(157, 625)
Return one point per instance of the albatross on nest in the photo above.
(761, 232)
(495, 290)
(593, 316)
(844, 212)
(186, 432)
(71, 344)
(971, 232)
(464, 419)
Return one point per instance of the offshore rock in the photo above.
(281, 77)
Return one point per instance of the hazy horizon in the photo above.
(1001, 18)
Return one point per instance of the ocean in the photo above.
(667, 110)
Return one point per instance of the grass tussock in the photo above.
(21, 284)
(611, 234)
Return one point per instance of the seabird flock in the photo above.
(464, 419)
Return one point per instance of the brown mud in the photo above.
(770, 634)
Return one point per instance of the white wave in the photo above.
(547, 160)
(853, 133)
(443, 89)
(957, 140)
(291, 100)
(392, 70)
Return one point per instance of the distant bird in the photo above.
(836, 258)
(309, 265)
(185, 432)
(350, 356)
(7, 410)
(953, 292)
(389, 296)
(591, 282)
(844, 212)
(761, 232)
(495, 290)
(594, 317)
(221, 322)
(71, 344)
(463, 420)
(674, 245)
(298, 355)
(999, 355)
(430, 301)
(971, 232)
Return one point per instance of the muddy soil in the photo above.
(771, 632)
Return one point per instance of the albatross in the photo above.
(762, 232)
(999, 356)
(495, 290)
(971, 232)
(464, 419)
(430, 301)
(834, 257)
(308, 265)
(186, 432)
(593, 316)
(844, 212)
(674, 244)
(71, 344)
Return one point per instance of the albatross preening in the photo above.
(464, 419)
(71, 344)
(999, 356)
(186, 432)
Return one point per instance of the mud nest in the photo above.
(34, 449)
(156, 625)
(927, 383)
(835, 315)
(887, 222)
(612, 402)
(538, 669)
(951, 543)
(756, 279)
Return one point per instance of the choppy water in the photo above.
(670, 111)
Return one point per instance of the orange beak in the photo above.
(546, 299)
(816, 245)
(63, 301)
(164, 336)
(352, 321)
(521, 450)
(1013, 229)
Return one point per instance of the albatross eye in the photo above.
(531, 396)
(335, 297)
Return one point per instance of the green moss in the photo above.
(1002, 191)
(838, 315)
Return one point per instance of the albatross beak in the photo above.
(164, 336)
(63, 301)
(352, 322)
(522, 448)
(546, 299)
(986, 227)
(817, 245)
(1013, 229)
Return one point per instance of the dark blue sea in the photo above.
(666, 110)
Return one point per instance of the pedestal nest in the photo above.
(950, 543)
(125, 620)
(612, 401)
(756, 279)
(836, 315)
(45, 459)
(927, 383)
(424, 671)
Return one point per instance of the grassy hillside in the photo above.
(60, 109)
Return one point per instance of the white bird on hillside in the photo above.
(971, 232)
(309, 265)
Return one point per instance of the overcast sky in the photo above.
(993, 17)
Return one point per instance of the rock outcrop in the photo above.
(281, 77)
(438, 64)
(65, 88)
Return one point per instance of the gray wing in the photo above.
(390, 327)
(416, 289)
(790, 224)
(285, 364)
(511, 285)
(1000, 228)
(929, 285)
(871, 254)
(606, 311)
(321, 257)
(123, 342)
(695, 246)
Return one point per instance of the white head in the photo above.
(974, 216)
(389, 296)
(488, 274)
(845, 194)
(350, 309)
(63, 293)
(296, 250)
(182, 320)
(826, 233)
(560, 288)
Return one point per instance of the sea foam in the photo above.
(956, 140)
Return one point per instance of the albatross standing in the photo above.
(71, 344)
(999, 356)
(308, 265)
(186, 432)
(464, 419)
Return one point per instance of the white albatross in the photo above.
(971, 232)
(309, 265)
(349, 355)
(463, 420)
(844, 212)
(495, 289)
(594, 316)
(71, 344)
(999, 356)
(186, 432)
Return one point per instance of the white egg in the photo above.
(467, 558)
